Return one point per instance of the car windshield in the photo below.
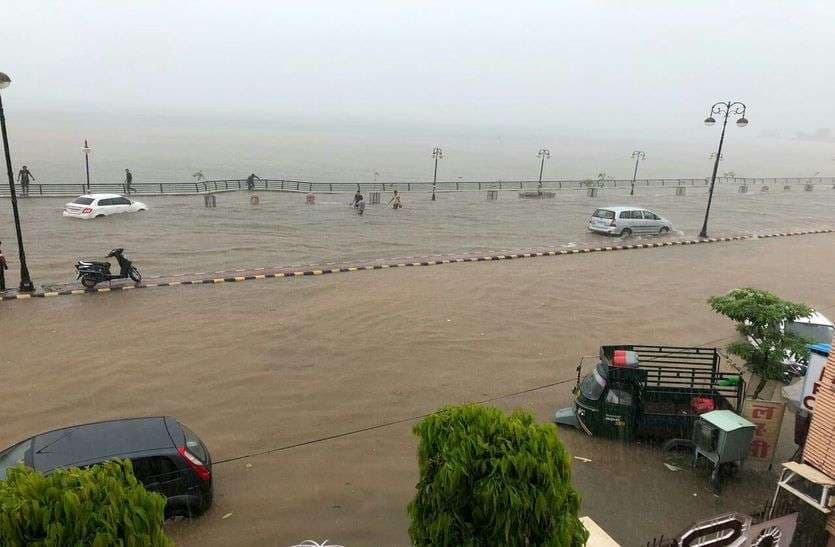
(592, 386)
(604, 213)
(811, 331)
(13, 456)
(83, 201)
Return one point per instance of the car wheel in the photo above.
(664, 230)
(626, 232)
(99, 216)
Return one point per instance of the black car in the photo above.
(167, 457)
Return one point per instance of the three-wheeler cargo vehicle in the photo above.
(651, 391)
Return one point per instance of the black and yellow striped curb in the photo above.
(449, 259)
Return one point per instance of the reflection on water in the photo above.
(178, 234)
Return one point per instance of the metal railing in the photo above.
(286, 185)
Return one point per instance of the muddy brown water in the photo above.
(268, 364)
(179, 235)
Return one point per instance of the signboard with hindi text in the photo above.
(767, 416)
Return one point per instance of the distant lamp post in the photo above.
(543, 154)
(725, 109)
(438, 154)
(713, 156)
(25, 282)
(86, 149)
(638, 155)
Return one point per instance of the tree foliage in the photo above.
(488, 479)
(99, 506)
(760, 317)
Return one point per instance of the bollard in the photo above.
(787, 187)
(209, 200)
(681, 190)
(374, 198)
(764, 188)
(592, 192)
(743, 189)
(310, 199)
(254, 200)
(808, 187)
(492, 195)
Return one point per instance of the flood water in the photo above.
(178, 234)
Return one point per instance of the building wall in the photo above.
(820, 444)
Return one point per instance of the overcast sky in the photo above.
(601, 65)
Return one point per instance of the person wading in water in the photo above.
(3, 268)
(395, 201)
(250, 181)
(23, 177)
(129, 181)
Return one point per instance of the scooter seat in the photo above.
(105, 265)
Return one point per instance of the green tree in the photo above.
(489, 479)
(760, 317)
(99, 506)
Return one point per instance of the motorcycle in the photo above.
(91, 272)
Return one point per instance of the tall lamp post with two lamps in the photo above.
(725, 109)
(86, 149)
(26, 284)
(638, 155)
(438, 154)
(544, 154)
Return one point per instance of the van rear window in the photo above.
(604, 213)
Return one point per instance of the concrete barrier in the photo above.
(492, 195)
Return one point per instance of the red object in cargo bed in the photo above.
(623, 358)
(700, 405)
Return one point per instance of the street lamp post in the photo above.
(723, 109)
(87, 151)
(438, 154)
(638, 155)
(25, 283)
(543, 154)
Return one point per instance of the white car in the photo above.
(101, 205)
(817, 328)
(625, 221)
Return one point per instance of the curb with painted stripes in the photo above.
(451, 259)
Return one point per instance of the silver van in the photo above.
(625, 221)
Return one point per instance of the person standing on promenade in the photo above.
(3, 268)
(250, 181)
(360, 205)
(357, 198)
(23, 177)
(395, 201)
(129, 180)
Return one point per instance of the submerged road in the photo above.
(308, 390)
(274, 272)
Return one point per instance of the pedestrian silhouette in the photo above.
(23, 177)
(129, 181)
(250, 181)
(3, 268)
